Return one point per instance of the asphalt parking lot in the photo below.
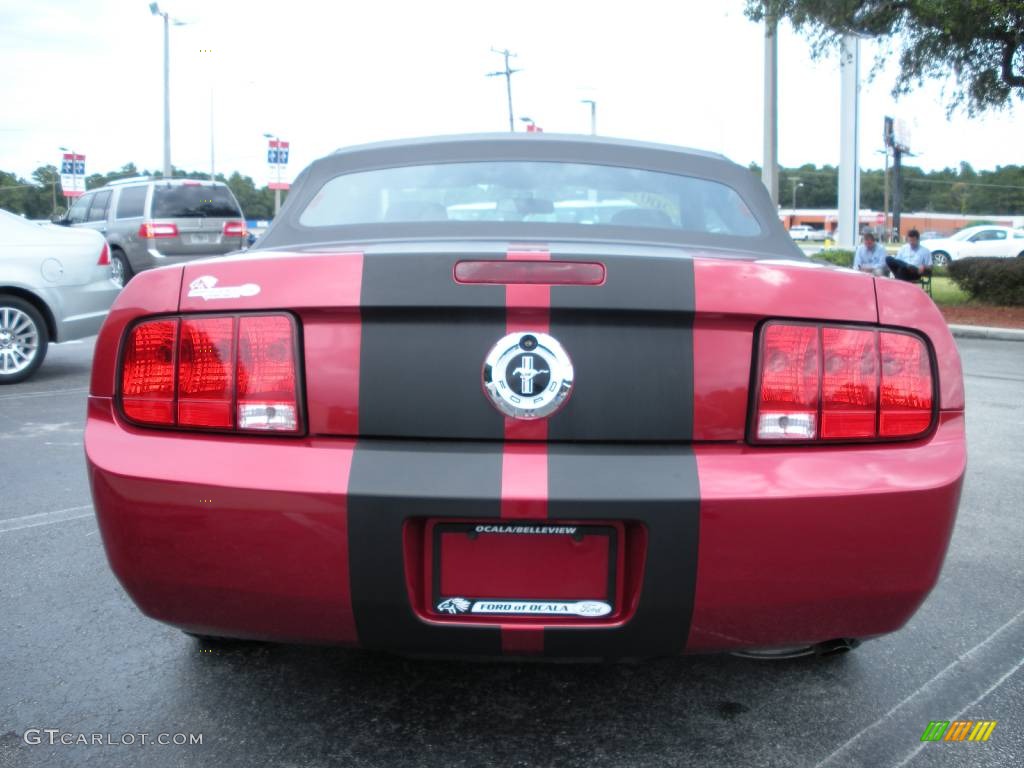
(77, 656)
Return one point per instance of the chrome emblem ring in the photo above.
(527, 375)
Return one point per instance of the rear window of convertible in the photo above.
(541, 192)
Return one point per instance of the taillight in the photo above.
(234, 229)
(147, 372)
(789, 383)
(156, 229)
(825, 383)
(906, 393)
(206, 372)
(234, 373)
(266, 374)
(104, 255)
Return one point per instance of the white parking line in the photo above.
(921, 689)
(45, 518)
(46, 393)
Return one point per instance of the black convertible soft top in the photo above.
(286, 231)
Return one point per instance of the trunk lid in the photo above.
(395, 347)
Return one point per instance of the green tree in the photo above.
(980, 42)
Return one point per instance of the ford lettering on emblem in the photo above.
(527, 375)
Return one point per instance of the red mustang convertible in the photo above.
(526, 395)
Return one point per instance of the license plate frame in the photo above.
(597, 599)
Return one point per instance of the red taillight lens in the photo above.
(147, 374)
(834, 383)
(266, 374)
(206, 372)
(234, 229)
(104, 256)
(789, 383)
(156, 229)
(849, 383)
(232, 373)
(906, 392)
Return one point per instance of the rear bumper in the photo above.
(305, 540)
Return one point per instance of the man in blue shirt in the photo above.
(870, 257)
(912, 261)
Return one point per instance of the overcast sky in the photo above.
(88, 75)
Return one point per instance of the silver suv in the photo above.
(150, 222)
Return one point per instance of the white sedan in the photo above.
(984, 240)
(54, 286)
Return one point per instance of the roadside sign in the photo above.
(277, 161)
(72, 174)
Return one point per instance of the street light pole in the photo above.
(155, 10)
(796, 185)
(593, 115)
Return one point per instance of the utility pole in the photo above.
(796, 184)
(593, 115)
(770, 168)
(507, 74)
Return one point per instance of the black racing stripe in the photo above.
(390, 482)
(424, 340)
(631, 345)
(658, 487)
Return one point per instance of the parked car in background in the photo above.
(982, 240)
(807, 232)
(151, 222)
(55, 285)
(383, 428)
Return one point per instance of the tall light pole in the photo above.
(796, 185)
(593, 115)
(849, 154)
(155, 10)
(507, 74)
(770, 169)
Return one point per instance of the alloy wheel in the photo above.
(19, 340)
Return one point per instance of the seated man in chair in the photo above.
(913, 259)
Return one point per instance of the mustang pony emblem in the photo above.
(527, 375)
(205, 288)
(526, 372)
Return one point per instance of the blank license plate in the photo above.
(523, 568)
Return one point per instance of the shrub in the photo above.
(994, 281)
(837, 256)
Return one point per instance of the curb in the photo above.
(981, 332)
